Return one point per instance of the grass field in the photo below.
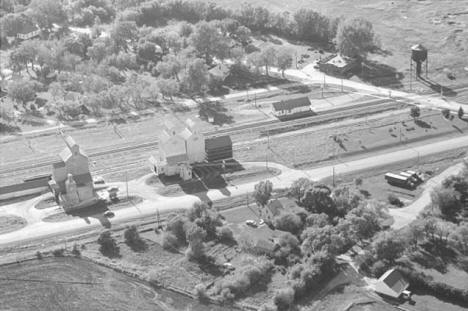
(399, 24)
(75, 284)
(310, 147)
(9, 223)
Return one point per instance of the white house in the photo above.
(290, 107)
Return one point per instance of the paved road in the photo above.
(36, 228)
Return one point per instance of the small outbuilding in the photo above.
(392, 284)
(338, 65)
(291, 108)
(218, 148)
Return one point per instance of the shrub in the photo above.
(289, 222)
(284, 298)
(170, 242)
(39, 255)
(394, 200)
(58, 252)
(378, 268)
(415, 112)
(461, 112)
(108, 245)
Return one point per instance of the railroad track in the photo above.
(107, 156)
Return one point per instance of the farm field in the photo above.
(76, 284)
(431, 23)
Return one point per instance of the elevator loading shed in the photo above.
(218, 148)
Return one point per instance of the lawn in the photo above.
(75, 284)
(9, 223)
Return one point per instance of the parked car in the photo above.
(251, 223)
(109, 214)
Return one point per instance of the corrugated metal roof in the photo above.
(291, 103)
(218, 142)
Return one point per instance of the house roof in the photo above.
(220, 71)
(391, 283)
(218, 142)
(339, 61)
(291, 103)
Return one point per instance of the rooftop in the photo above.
(392, 283)
(218, 142)
(291, 103)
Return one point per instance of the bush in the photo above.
(415, 112)
(289, 222)
(38, 255)
(394, 200)
(170, 242)
(58, 252)
(108, 245)
(378, 268)
(284, 298)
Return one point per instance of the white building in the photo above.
(178, 148)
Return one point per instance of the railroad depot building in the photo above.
(291, 108)
(71, 182)
(179, 147)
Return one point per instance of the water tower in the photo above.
(418, 56)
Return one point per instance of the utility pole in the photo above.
(126, 182)
(158, 218)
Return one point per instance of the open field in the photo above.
(439, 25)
(76, 284)
(308, 148)
(9, 223)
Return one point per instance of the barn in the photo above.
(292, 108)
(218, 148)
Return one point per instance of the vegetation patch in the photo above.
(10, 223)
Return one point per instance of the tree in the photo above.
(147, 51)
(195, 237)
(415, 112)
(447, 201)
(169, 67)
(318, 220)
(288, 222)
(21, 91)
(168, 87)
(460, 236)
(197, 77)
(312, 26)
(355, 37)
(208, 41)
(170, 242)
(176, 226)
(123, 31)
(317, 199)
(133, 239)
(388, 246)
(461, 112)
(284, 298)
(108, 245)
(364, 221)
(262, 192)
(99, 50)
(268, 57)
(299, 187)
(47, 12)
(316, 239)
(284, 60)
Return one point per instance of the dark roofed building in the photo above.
(291, 107)
(338, 65)
(28, 31)
(392, 284)
(218, 148)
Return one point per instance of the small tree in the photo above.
(461, 112)
(284, 298)
(446, 113)
(170, 242)
(21, 91)
(415, 112)
(108, 245)
(76, 250)
(355, 37)
(284, 60)
(262, 192)
(133, 239)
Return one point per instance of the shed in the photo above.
(218, 148)
(391, 284)
(291, 106)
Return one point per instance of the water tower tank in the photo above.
(418, 53)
